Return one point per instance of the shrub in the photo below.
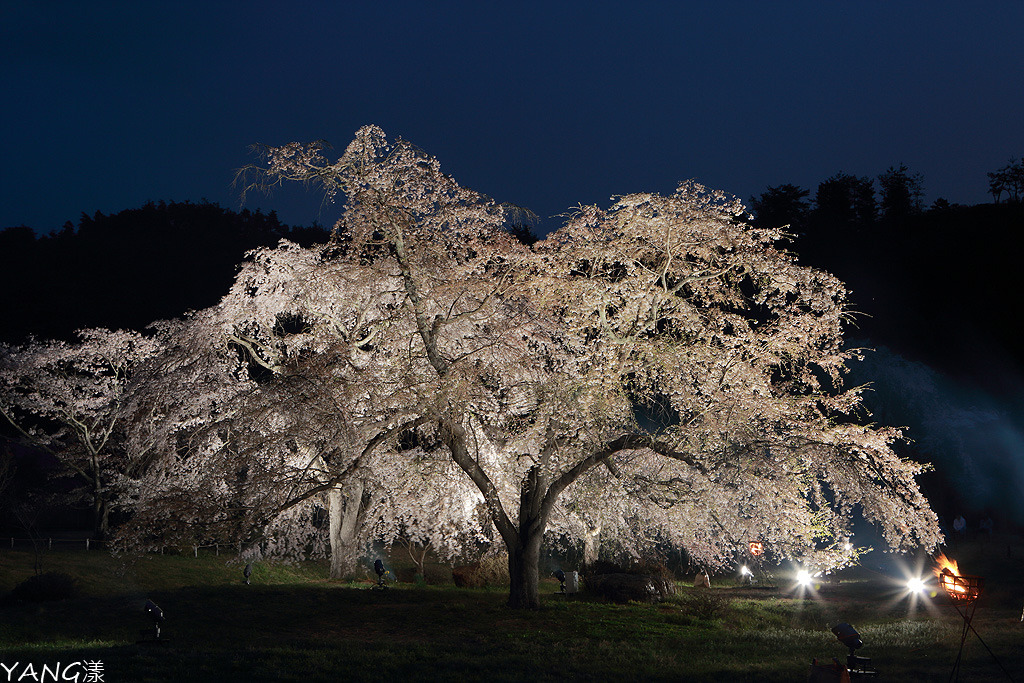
(644, 567)
(601, 567)
(491, 570)
(629, 587)
(704, 603)
(433, 574)
(46, 588)
(436, 574)
(654, 567)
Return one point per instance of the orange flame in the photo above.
(946, 563)
(949, 575)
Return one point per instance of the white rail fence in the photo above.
(49, 543)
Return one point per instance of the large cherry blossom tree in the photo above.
(657, 371)
(532, 366)
(66, 398)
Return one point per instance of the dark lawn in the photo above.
(292, 625)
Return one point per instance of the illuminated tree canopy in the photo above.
(67, 399)
(659, 371)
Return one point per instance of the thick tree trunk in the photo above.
(100, 509)
(591, 545)
(524, 570)
(100, 518)
(537, 496)
(343, 507)
(524, 557)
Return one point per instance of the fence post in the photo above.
(50, 545)
(87, 544)
(195, 550)
(216, 549)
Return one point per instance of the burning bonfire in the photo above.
(963, 591)
(957, 586)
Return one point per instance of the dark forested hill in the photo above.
(940, 286)
(128, 269)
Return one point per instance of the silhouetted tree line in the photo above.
(938, 284)
(126, 270)
(1008, 179)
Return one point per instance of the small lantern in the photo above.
(756, 548)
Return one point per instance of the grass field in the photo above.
(294, 625)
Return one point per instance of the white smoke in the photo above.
(974, 440)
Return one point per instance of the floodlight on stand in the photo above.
(848, 636)
(378, 566)
(804, 578)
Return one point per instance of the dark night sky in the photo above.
(108, 105)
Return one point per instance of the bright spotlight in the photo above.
(916, 585)
(746, 575)
(804, 578)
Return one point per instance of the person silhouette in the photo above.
(960, 527)
(986, 525)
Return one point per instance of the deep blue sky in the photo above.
(108, 105)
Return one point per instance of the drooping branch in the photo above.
(256, 357)
(454, 436)
(352, 467)
(427, 330)
(626, 442)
